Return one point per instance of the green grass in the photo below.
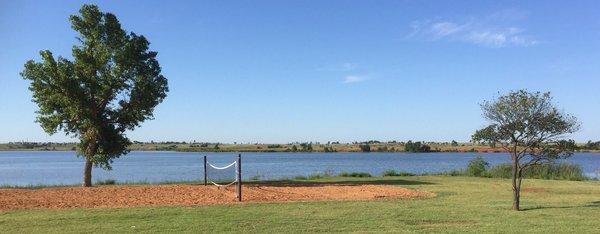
(463, 204)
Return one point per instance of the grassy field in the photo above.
(463, 204)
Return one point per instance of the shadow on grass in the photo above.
(289, 183)
(591, 204)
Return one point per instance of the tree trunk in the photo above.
(516, 183)
(87, 172)
(516, 194)
(519, 179)
(90, 152)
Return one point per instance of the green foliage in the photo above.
(416, 147)
(354, 174)
(316, 176)
(321, 175)
(559, 171)
(306, 147)
(452, 173)
(329, 149)
(531, 128)
(111, 86)
(300, 178)
(528, 124)
(365, 148)
(454, 143)
(383, 149)
(106, 182)
(391, 172)
(592, 145)
(477, 166)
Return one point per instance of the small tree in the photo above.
(477, 166)
(365, 147)
(112, 85)
(416, 147)
(530, 128)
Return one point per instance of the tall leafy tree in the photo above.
(531, 128)
(112, 84)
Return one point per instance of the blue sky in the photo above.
(282, 71)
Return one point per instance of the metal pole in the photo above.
(204, 170)
(239, 177)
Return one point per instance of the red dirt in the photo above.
(190, 195)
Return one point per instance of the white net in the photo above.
(222, 176)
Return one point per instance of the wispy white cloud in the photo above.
(489, 31)
(444, 29)
(355, 79)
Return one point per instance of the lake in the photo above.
(64, 168)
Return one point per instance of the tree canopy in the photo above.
(416, 147)
(531, 123)
(112, 84)
(530, 127)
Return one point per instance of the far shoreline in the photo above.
(376, 147)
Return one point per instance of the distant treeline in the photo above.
(591, 146)
(37, 146)
(331, 146)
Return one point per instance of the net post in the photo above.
(239, 177)
(205, 170)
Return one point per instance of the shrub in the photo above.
(416, 147)
(354, 174)
(382, 149)
(394, 173)
(300, 178)
(477, 167)
(365, 148)
(106, 182)
(390, 172)
(501, 171)
(316, 176)
(557, 171)
(329, 149)
(306, 147)
(592, 145)
(404, 173)
(455, 173)
(325, 174)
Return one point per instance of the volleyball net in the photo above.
(224, 176)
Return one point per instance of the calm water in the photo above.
(52, 168)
